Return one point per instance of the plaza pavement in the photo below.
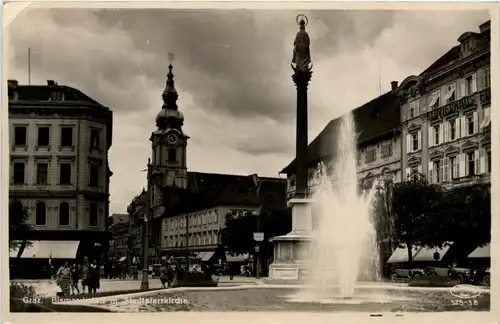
(45, 288)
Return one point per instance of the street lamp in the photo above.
(145, 238)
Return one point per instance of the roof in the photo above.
(449, 57)
(272, 193)
(453, 54)
(206, 190)
(377, 118)
(43, 93)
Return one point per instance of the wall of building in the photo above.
(203, 227)
(78, 156)
(452, 129)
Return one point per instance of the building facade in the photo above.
(378, 143)
(59, 170)
(446, 115)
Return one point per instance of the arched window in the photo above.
(41, 214)
(64, 214)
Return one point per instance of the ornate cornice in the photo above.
(470, 146)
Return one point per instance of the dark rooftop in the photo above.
(453, 54)
(377, 118)
(46, 93)
(207, 190)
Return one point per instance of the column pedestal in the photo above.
(291, 251)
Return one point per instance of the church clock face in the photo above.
(172, 139)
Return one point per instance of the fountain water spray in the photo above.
(345, 247)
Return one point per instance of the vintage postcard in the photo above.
(250, 158)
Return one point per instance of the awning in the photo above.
(236, 258)
(486, 121)
(427, 254)
(122, 259)
(205, 256)
(481, 252)
(400, 255)
(51, 250)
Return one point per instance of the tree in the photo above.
(415, 205)
(18, 228)
(237, 235)
(465, 216)
(383, 218)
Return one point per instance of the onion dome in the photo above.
(170, 116)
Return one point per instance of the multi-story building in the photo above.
(119, 232)
(377, 126)
(59, 171)
(445, 115)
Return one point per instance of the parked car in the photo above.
(406, 274)
(462, 275)
(481, 276)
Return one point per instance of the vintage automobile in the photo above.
(481, 276)
(406, 274)
(462, 275)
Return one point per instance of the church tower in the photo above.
(168, 145)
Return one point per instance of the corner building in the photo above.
(59, 141)
(446, 115)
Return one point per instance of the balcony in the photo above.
(468, 181)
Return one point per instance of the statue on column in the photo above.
(301, 50)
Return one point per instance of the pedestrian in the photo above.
(64, 279)
(93, 283)
(52, 273)
(163, 276)
(75, 277)
(85, 276)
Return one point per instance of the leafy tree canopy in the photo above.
(18, 227)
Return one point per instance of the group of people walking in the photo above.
(69, 278)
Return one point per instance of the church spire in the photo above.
(170, 94)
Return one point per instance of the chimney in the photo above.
(51, 83)
(12, 84)
(394, 86)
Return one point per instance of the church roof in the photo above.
(373, 120)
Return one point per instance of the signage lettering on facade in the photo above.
(451, 108)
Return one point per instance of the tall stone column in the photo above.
(302, 68)
(290, 253)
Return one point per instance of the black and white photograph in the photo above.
(248, 160)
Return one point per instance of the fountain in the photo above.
(344, 248)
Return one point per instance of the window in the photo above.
(386, 150)
(436, 134)
(486, 77)
(64, 214)
(470, 163)
(172, 155)
(414, 109)
(19, 173)
(94, 139)
(450, 93)
(454, 167)
(94, 175)
(20, 136)
(414, 142)
(438, 174)
(66, 136)
(453, 130)
(468, 85)
(370, 154)
(434, 99)
(43, 136)
(42, 173)
(41, 214)
(65, 173)
(470, 124)
(93, 215)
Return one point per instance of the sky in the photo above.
(232, 73)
